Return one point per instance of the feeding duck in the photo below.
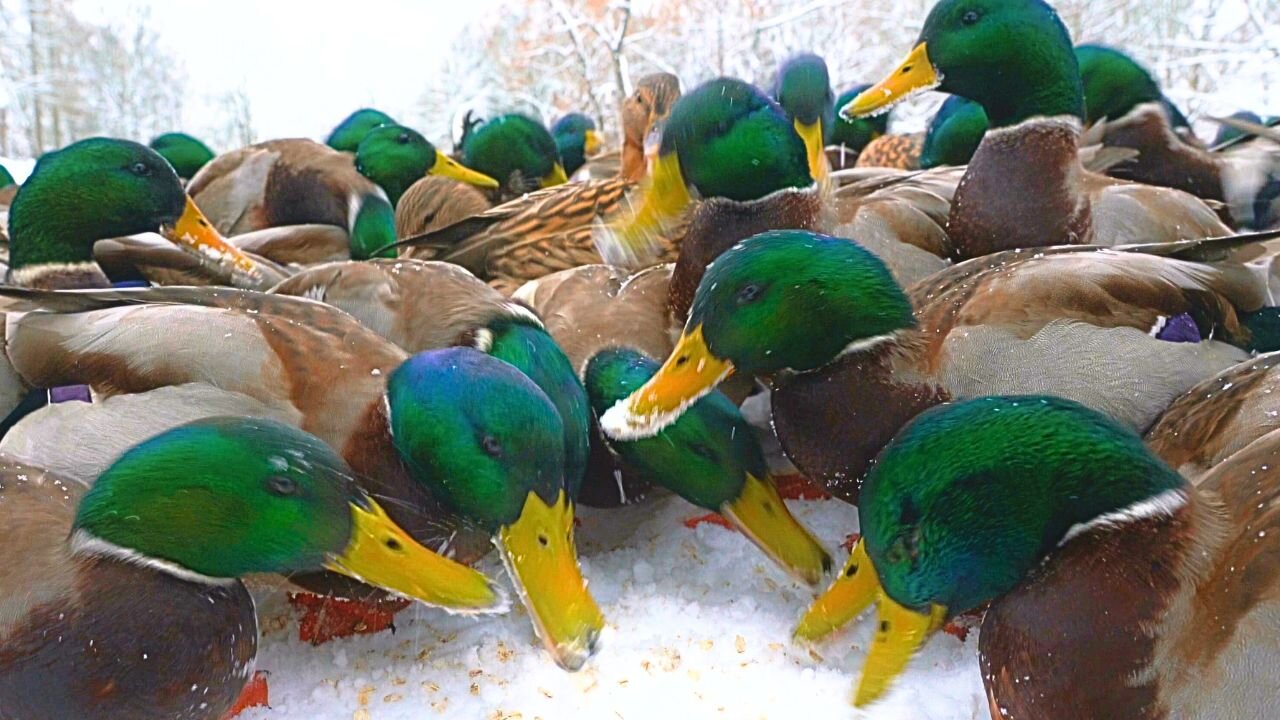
(103, 188)
(613, 327)
(464, 448)
(517, 151)
(868, 356)
(124, 599)
(552, 229)
(1025, 186)
(576, 140)
(307, 203)
(850, 137)
(1034, 503)
(347, 135)
(185, 153)
(803, 89)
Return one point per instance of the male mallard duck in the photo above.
(850, 137)
(576, 139)
(433, 203)
(465, 448)
(102, 188)
(123, 599)
(803, 89)
(613, 327)
(869, 357)
(517, 151)
(308, 203)
(1226, 133)
(347, 135)
(1117, 588)
(1114, 84)
(954, 133)
(185, 153)
(1025, 186)
(395, 157)
(551, 230)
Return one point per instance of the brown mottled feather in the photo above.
(893, 151)
(433, 203)
(164, 263)
(66, 622)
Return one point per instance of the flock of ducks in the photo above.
(1030, 344)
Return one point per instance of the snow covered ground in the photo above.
(700, 626)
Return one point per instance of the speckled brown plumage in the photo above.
(433, 203)
(901, 152)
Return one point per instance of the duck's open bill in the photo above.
(915, 74)
(445, 166)
(849, 596)
(900, 632)
(194, 232)
(381, 553)
(761, 515)
(539, 553)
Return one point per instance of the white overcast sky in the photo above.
(305, 65)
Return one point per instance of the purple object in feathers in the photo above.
(1179, 329)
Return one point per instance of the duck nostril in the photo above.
(393, 544)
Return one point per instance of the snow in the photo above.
(699, 627)
(19, 168)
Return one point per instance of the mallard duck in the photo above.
(464, 448)
(1025, 186)
(552, 229)
(1032, 503)
(954, 133)
(869, 356)
(292, 194)
(347, 135)
(433, 203)
(185, 153)
(102, 188)
(803, 89)
(516, 150)
(895, 151)
(613, 327)
(1226, 133)
(576, 140)
(850, 137)
(123, 599)
(1114, 84)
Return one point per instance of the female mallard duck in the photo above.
(803, 89)
(576, 140)
(307, 203)
(185, 153)
(518, 151)
(895, 151)
(1033, 503)
(868, 357)
(102, 188)
(347, 135)
(123, 599)
(552, 229)
(613, 326)
(1025, 186)
(433, 203)
(467, 450)
(850, 137)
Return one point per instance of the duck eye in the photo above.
(970, 17)
(403, 139)
(491, 446)
(282, 486)
(140, 169)
(750, 294)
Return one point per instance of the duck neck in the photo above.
(48, 230)
(372, 226)
(1023, 189)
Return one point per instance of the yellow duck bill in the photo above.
(445, 166)
(194, 233)
(591, 143)
(914, 75)
(815, 149)
(900, 631)
(539, 554)
(664, 196)
(760, 514)
(381, 553)
(557, 176)
(688, 374)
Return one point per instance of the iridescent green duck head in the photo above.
(516, 150)
(347, 135)
(1114, 83)
(577, 139)
(712, 458)
(803, 89)
(103, 188)
(490, 445)
(185, 153)
(855, 133)
(395, 157)
(221, 498)
(789, 300)
(966, 501)
(725, 139)
(1013, 57)
(954, 133)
